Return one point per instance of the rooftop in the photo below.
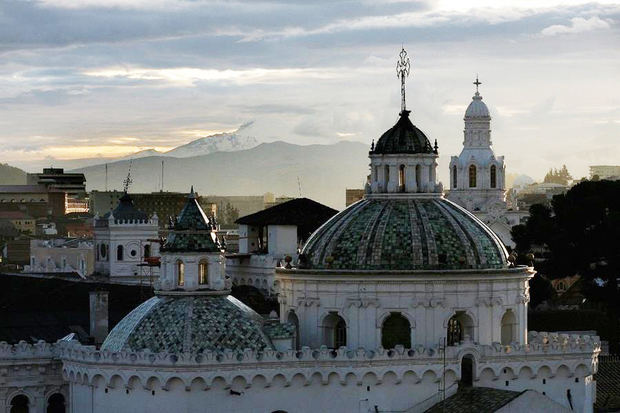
(403, 138)
(305, 213)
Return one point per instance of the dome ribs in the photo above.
(472, 257)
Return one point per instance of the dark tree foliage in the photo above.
(540, 290)
(578, 234)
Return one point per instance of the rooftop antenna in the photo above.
(477, 83)
(403, 67)
(299, 185)
(162, 175)
(128, 181)
(106, 177)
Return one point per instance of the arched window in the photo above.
(203, 273)
(454, 178)
(56, 403)
(147, 251)
(401, 178)
(467, 370)
(294, 320)
(386, 177)
(418, 177)
(396, 330)
(472, 176)
(103, 251)
(509, 328)
(460, 325)
(20, 404)
(334, 331)
(119, 253)
(180, 273)
(493, 176)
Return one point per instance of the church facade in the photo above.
(396, 303)
(478, 176)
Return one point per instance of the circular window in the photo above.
(103, 250)
(133, 253)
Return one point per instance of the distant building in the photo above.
(267, 237)
(246, 205)
(24, 223)
(163, 204)
(278, 200)
(127, 243)
(536, 193)
(605, 171)
(353, 195)
(477, 176)
(36, 200)
(62, 256)
(57, 180)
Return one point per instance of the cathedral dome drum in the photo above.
(417, 233)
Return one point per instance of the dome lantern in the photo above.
(403, 159)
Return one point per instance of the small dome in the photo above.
(403, 137)
(189, 325)
(477, 108)
(127, 211)
(404, 234)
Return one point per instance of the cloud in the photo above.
(188, 76)
(577, 25)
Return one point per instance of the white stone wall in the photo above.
(282, 240)
(257, 270)
(33, 371)
(324, 380)
(133, 237)
(420, 173)
(169, 271)
(426, 299)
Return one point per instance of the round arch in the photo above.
(334, 328)
(396, 330)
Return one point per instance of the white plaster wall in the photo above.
(282, 240)
(300, 395)
(169, 275)
(428, 302)
(257, 270)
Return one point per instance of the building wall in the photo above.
(314, 380)
(32, 371)
(427, 301)
(133, 237)
(282, 240)
(59, 259)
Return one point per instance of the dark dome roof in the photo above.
(189, 325)
(127, 211)
(403, 137)
(404, 234)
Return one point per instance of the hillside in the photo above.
(9, 175)
(324, 171)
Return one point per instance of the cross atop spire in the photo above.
(477, 83)
(403, 67)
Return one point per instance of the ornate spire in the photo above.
(403, 66)
(477, 83)
(128, 181)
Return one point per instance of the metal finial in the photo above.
(128, 181)
(372, 145)
(403, 67)
(477, 83)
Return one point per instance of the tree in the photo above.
(555, 176)
(578, 234)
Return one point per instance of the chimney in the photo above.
(98, 316)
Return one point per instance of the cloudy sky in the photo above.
(87, 78)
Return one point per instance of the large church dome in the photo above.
(414, 233)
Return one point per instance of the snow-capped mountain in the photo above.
(142, 154)
(240, 139)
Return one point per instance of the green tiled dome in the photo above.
(404, 234)
(191, 324)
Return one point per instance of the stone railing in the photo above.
(540, 343)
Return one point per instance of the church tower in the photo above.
(477, 175)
